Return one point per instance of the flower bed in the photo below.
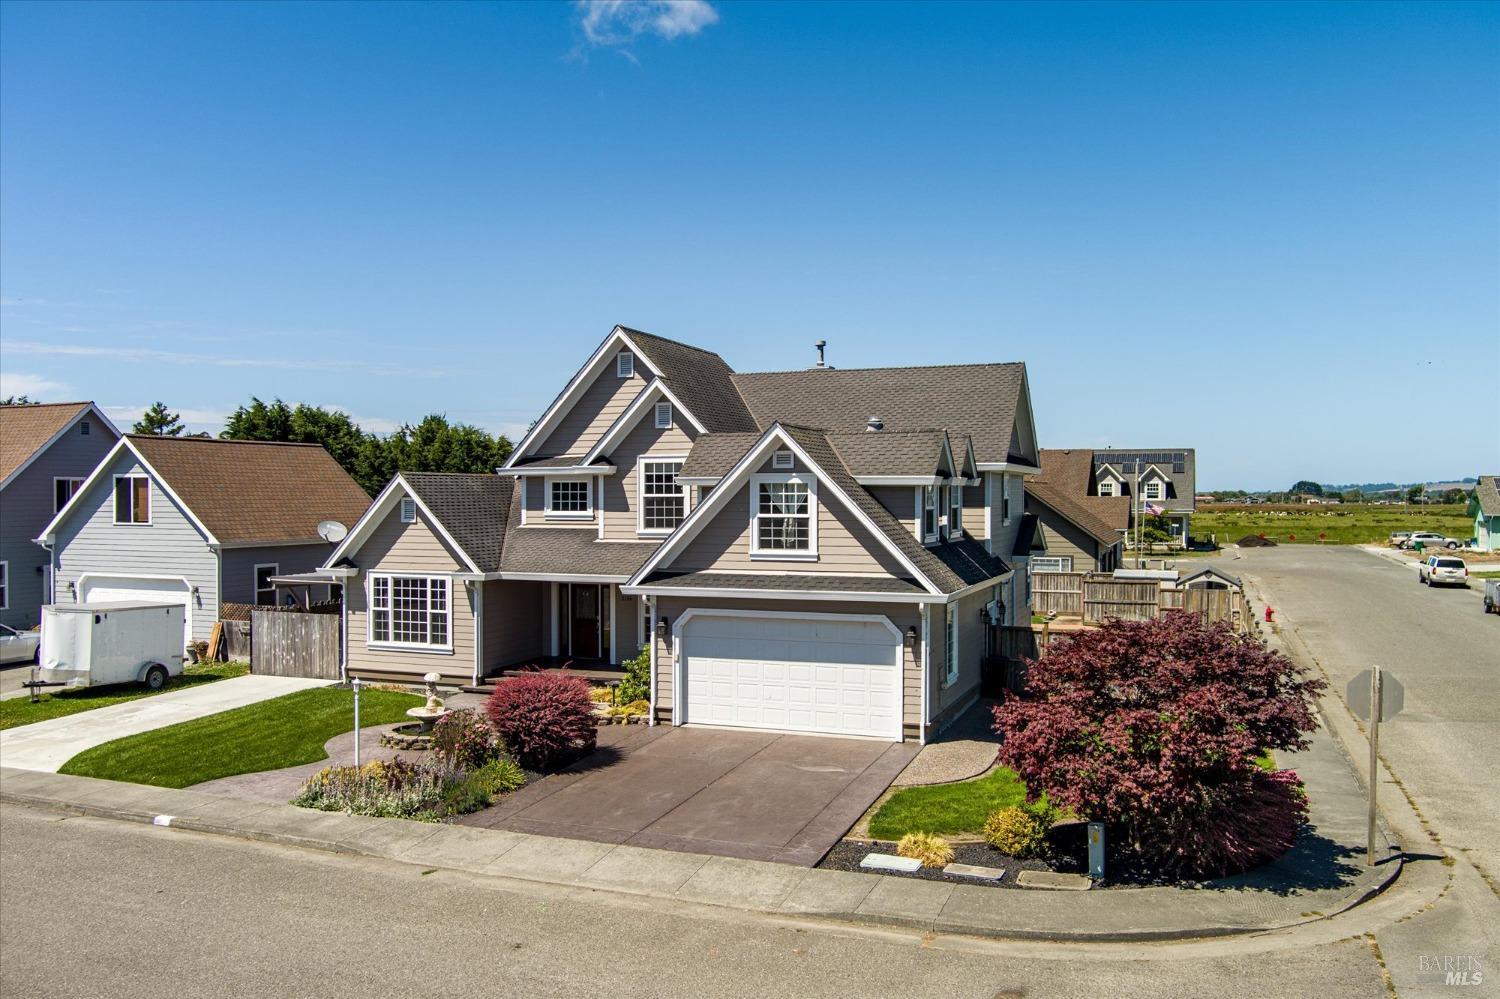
(428, 791)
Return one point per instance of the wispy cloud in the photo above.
(284, 363)
(619, 23)
(34, 387)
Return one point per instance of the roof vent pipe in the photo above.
(873, 423)
(820, 345)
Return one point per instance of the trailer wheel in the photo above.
(156, 677)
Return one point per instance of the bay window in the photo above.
(410, 611)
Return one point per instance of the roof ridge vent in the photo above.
(874, 423)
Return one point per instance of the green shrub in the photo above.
(465, 739)
(1018, 831)
(633, 708)
(932, 851)
(601, 695)
(636, 684)
(500, 776)
(383, 788)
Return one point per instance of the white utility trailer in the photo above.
(86, 645)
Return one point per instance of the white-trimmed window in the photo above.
(265, 590)
(929, 513)
(782, 461)
(410, 611)
(4, 585)
(955, 511)
(1004, 500)
(950, 674)
(663, 502)
(663, 415)
(62, 491)
(571, 498)
(1052, 563)
(1107, 487)
(1152, 489)
(783, 516)
(646, 622)
(408, 510)
(624, 364)
(132, 499)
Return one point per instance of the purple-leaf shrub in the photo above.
(1153, 727)
(466, 739)
(544, 720)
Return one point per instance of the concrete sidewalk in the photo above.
(1252, 904)
(47, 745)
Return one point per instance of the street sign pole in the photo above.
(1376, 693)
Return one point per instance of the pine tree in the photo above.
(159, 421)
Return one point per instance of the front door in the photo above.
(583, 633)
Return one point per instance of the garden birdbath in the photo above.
(429, 713)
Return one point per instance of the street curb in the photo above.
(991, 915)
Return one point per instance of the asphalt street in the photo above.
(1352, 609)
(94, 907)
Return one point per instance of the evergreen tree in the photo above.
(159, 421)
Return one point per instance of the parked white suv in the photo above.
(1443, 570)
(1430, 539)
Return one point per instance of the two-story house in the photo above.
(46, 451)
(1154, 480)
(822, 550)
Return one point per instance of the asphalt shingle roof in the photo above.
(473, 509)
(24, 429)
(700, 378)
(248, 491)
(895, 452)
(1067, 482)
(1075, 511)
(565, 550)
(1487, 493)
(1181, 485)
(784, 581)
(713, 455)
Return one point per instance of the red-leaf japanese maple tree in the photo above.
(1154, 728)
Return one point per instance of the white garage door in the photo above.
(94, 589)
(834, 675)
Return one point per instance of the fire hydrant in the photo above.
(1270, 613)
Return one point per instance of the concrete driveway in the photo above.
(47, 745)
(752, 795)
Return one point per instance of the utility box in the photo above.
(85, 645)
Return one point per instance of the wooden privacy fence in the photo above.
(1057, 591)
(294, 643)
(1096, 598)
(1126, 599)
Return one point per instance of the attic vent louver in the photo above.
(873, 423)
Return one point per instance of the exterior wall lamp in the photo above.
(911, 636)
(661, 626)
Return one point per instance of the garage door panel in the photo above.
(832, 676)
(96, 589)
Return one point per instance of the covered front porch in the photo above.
(581, 625)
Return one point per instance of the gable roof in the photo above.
(28, 430)
(893, 452)
(713, 455)
(1066, 506)
(700, 378)
(1206, 571)
(1487, 495)
(567, 551)
(1067, 486)
(253, 491)
(471, 507)
(1180, 475)
(979, 400)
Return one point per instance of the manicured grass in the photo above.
(20, 711)
(947, 809)
(282, 732)
(1354, 524)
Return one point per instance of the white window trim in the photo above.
(1004, 500)
(1153, 489)
(114, 500)
(408, 505)
(662, 415)
(955, 507)
(255, 589)
(624, 364)
(950, 672)
(391, 643)
(923, 494)
(810, 554)
(783, 461)
(551, 514)
(1051, 563)
(4, 585)
(77, 485)
(640, 494)
(1107, 487)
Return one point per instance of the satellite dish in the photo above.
(332, 531)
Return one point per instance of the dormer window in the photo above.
(1153, 489)
(624, 364)
(663, 415)
(1107, 488)
(408, 510)
(570, 498)
(782, 461)
(929, 513)
(955, 512)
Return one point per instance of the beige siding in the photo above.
(534, 499)
(901, 501)
(621, 490)
(1063, 538)
(974, 514)
(903, 616)
(514, 622)
(627, 625)
(599, 406)
(398, 547)
(944, 699)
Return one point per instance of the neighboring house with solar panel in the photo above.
(46, 451)
(1484, 507)
(820, 550)
(1152, 479)
(1077, 529)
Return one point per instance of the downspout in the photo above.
(478, 631)
(926, 672)
(651, 644)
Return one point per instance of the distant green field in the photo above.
(1340, 525)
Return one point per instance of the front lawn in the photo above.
(20, 711)
(947, 809)
(282, 732)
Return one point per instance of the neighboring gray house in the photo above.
(1153, 479)
(46, 451)
(198, 521)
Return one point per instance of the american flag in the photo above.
(1153, 509)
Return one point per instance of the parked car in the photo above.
(1443, 570)
(1430, 539)
(1492, 596)
(1398, 538)
(18, 646)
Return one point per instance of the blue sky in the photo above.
(1269, 232)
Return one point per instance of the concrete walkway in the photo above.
(48, 745)
(965, 749)
(747, 885)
